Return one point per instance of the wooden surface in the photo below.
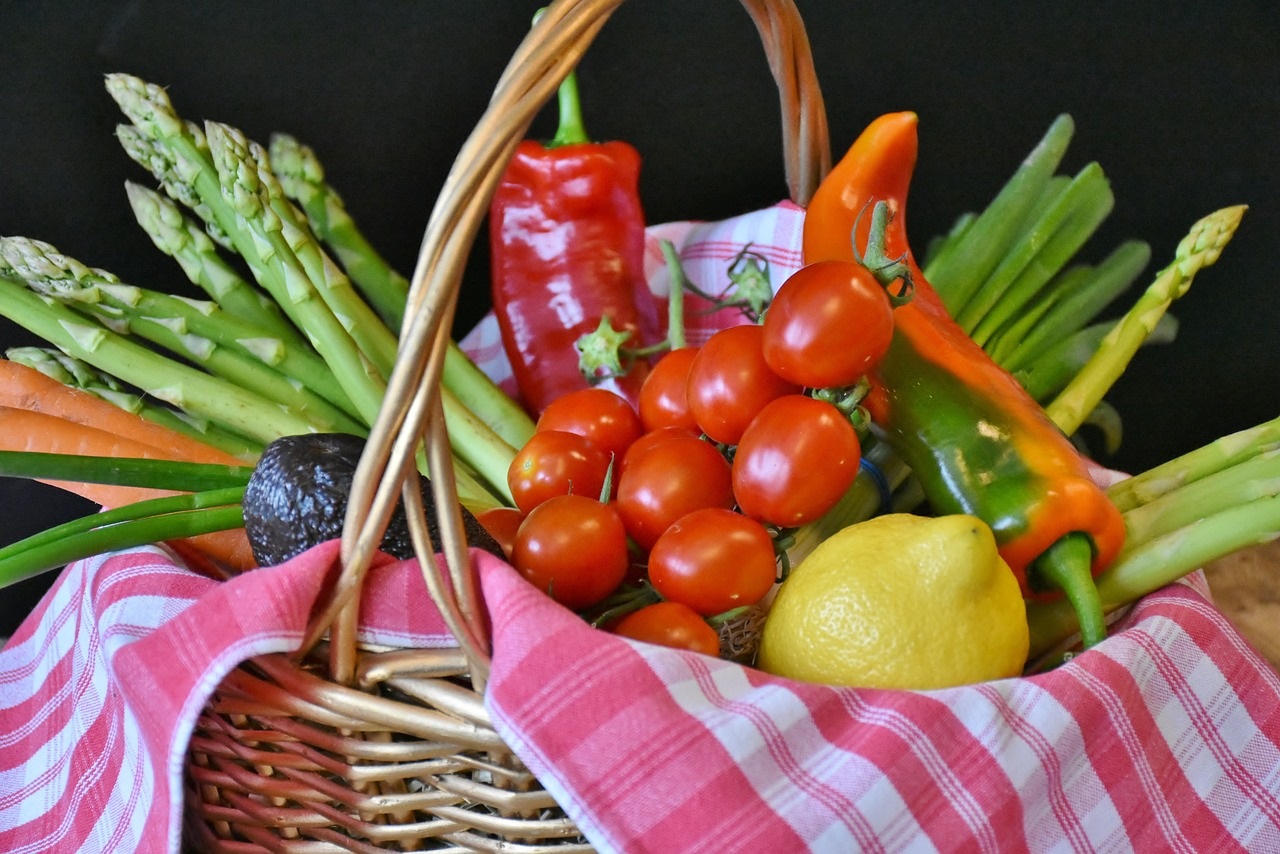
(1246, 587)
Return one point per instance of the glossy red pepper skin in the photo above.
(976, 440)
(567, 248)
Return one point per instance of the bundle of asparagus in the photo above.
(291, 341)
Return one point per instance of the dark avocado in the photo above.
(297, 498)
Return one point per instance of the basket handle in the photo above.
(411, 414)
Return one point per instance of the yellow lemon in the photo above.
(899, 601)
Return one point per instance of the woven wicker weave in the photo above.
(347, 748)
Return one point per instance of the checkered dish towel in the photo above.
(1164, 737)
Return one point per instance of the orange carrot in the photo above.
(23, 387)
(31, 430)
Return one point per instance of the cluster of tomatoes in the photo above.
(685, 494)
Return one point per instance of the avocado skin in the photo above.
(297, 498)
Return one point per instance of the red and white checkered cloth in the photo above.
(1164, 737)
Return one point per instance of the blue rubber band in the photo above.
(882, 484)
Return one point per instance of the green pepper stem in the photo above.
(571, 130)
(1066, 566)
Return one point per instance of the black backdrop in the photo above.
(1180, 103)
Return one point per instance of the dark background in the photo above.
(1180, 103)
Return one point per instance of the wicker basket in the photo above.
(347, 748)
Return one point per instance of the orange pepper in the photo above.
(976, 440)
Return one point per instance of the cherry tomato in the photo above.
(828, 325)
(664, 401)
(502, 524)
(604, 417)
(554, 462)
(648, 440)
(795, 460)
(574, 549)
(713, 560)
(668, 480)
(729, 382)
(670, 624)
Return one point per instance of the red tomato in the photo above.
(663, 399)
(668, 480)
(606, 418)
(713, 560)
(574, 549)
(828, 325)
(729, 382)
(554, 463)
(502, 524)
(795, 461)
(648, 440)
(670, 624)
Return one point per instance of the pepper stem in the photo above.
(571, 130)
(1066, 566)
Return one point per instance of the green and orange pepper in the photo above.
(975, 439)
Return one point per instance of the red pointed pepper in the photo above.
(978, 443)
(566, 231)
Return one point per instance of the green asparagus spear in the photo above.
(251, 227)
(98, 293)
(1199, 249)
(181, 385)
(179, 237)
(301, 177)
(1222, 453)
(1049, 373)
